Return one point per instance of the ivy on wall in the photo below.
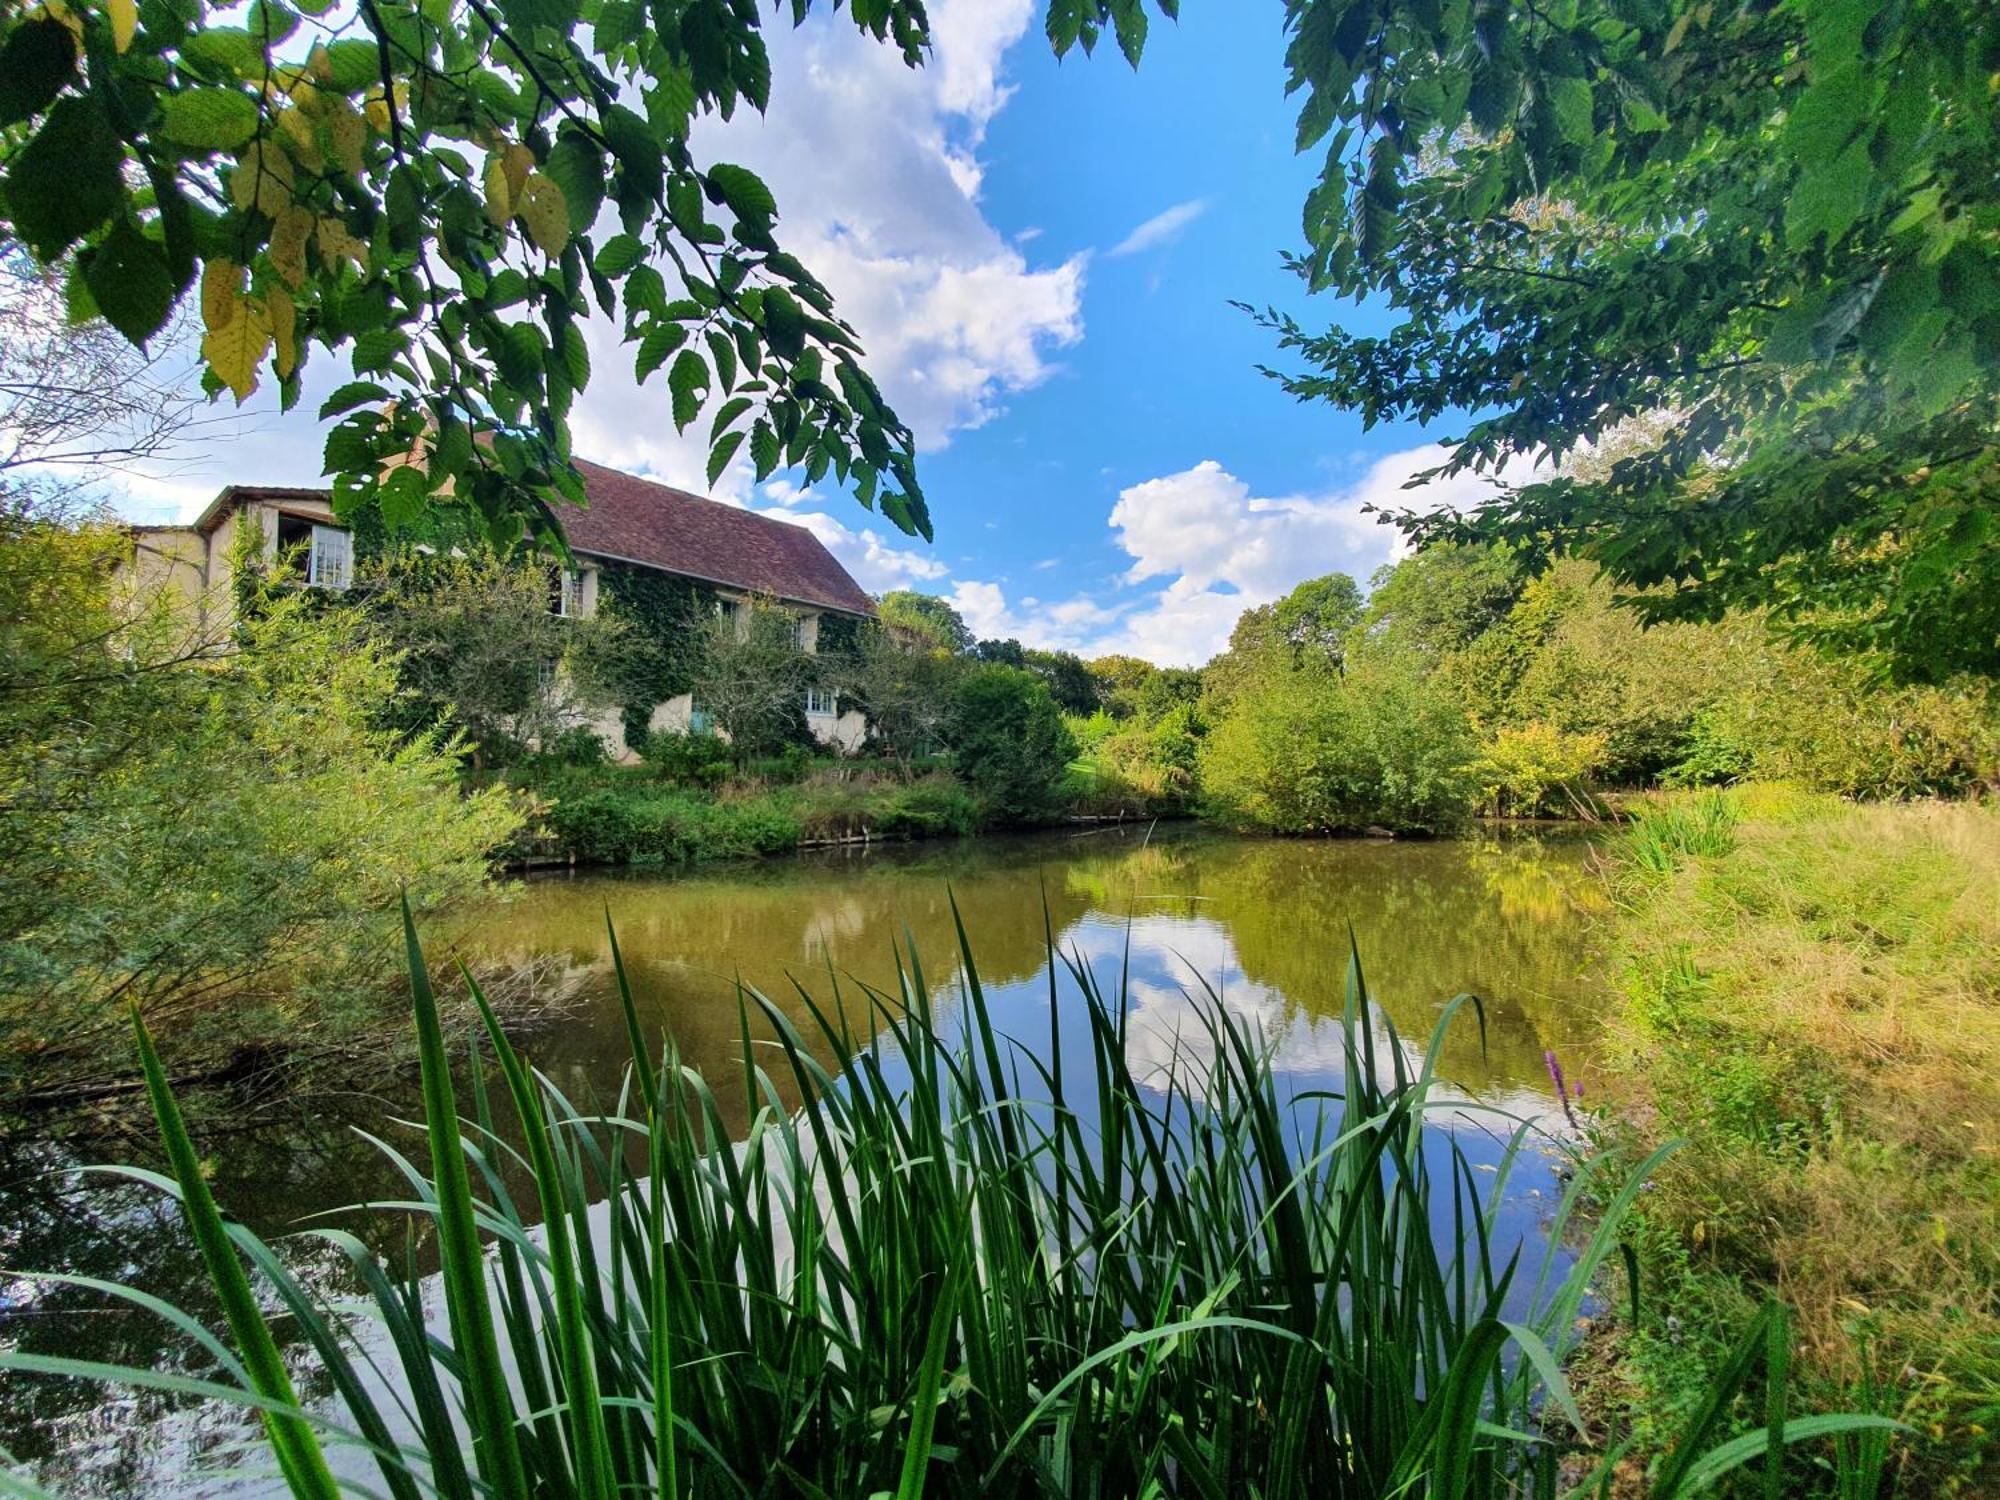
(664, 613)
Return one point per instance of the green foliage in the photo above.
(316, 173)
(751, 675)
(1666, 834)
(664, 616)
(926, 618)
(217, 823)
(1301, 1338)
(478, 644)
(1316, 617)
(1069, 680)
(653, 825)
(903, 684)
(693, 760)
(1758, 236)
(1148, 769)
(1308, 752)
(1009, 742)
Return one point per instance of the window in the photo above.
(798, 632)
(325, 552)
(700, 720)
(822, 701)
(566, 593)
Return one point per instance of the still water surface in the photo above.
(1261, 924)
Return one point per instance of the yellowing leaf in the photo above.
(235, 350)
(284, 320)
(377, 109)
(288, 244)
(499, 193)
(346, 133)
(221, 291)
(301, 139)
(335, 243)
(542, 209)
(263, 179)
(124, 21)
(520, 162)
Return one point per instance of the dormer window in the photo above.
(325, 553)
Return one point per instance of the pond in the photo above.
(1261, 925)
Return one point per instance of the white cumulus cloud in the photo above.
(1209, 549)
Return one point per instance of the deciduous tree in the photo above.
(1769, 230)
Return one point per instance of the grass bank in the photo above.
(1812, 1001)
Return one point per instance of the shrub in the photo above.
(1009, 742)
(688, 759)
(218, 829)
(928, 807)
(1530, 770)
(1308, 753)
(642, 825)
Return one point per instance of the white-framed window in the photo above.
(798, 632)
(822, 701)
(330, 559)
(567, 593)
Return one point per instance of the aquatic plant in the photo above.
(957, 1267)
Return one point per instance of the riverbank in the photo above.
(1811, 1001)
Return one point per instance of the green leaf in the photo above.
(743, 191)
(229, 48)
(661, 340)
(723, 349)
(354, 393)
(270, 23)
(129, 280)
(577, 167)
(620, 254)
(214, 119)
(764, 449)
(66, 181)
(688, 383)
(39, 57)
(576, 356)
(1573, 105)
(1829, 197)
(784, 323)
(719, 455)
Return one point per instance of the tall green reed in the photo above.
(953, 1267)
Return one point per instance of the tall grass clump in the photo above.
(944, 1261)
(1665, 832)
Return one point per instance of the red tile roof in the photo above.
(637, 520)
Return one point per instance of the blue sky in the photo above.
(1039, 257)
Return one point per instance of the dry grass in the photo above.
(1818, 1011)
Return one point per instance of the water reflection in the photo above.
(1263, 926)
(1265, 923)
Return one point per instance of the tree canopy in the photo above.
(1766, 232)
(416, 185)
(928, 618)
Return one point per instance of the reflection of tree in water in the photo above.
(1504, 920)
